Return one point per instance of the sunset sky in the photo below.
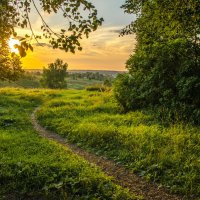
(104, 50)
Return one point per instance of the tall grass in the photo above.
(167, 155)
(32, 167)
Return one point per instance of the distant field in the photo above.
(80, 84)
(32, 80)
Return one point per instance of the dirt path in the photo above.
(121, 175)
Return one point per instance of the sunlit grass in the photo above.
(32, 167)
(167, 155)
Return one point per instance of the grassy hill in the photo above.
(31, 166)
(166, 154)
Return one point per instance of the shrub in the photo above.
(98, 88)
(54, 77)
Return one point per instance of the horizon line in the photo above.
(81, 70)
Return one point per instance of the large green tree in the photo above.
(165, 66)
(10, 66)
(80, 18)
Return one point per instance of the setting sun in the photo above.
(12, 43)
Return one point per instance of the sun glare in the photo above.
(12, 43)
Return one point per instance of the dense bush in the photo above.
(127, 93)
(99, 88)
(165, 67)
(165, 78)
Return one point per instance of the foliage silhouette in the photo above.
(81, 17)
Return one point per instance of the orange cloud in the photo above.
(104, 50)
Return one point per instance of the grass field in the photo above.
(35, 168)
(80, 84)
(167, 155)
(33, 81)
(27, 81)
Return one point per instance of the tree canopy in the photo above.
(10, 66)
(18, 12)
(164, 69)
(80, 16)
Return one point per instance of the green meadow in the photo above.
(34, 167)
(168, 155)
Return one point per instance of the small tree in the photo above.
(55, 75)
(10, 65)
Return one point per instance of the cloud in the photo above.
(104, 49)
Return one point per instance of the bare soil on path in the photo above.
(121, 175)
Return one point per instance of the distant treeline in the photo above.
(90, 76)
(32, 79)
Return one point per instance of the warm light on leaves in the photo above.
(12, 42)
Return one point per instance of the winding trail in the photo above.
(121, 175)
